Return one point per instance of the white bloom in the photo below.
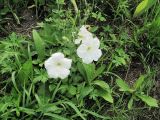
(89, 51)
(57, 66)
(83, 35)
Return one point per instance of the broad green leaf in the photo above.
(82, 70)
(148, 100)
(39, 44)
(143, 6)
(139, 82)
(85, 91)
(4, 106)
(90, 71)
(99, 71)
(102, 84)
(76, 109)
(123, 85)
(130, 103)
(55, 116)
(26, 71)
(105, 95)
(27, 110)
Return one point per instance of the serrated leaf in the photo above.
(138, 82)
(39, 44)
(123, 85)
(105, 95)
(102, 84)
(85, 91)
(143, 6)
(72, 90)
(148, 100)
(99, 71)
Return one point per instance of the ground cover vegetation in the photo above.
(79, 59)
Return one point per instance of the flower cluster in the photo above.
(89, 49)
(58, 66)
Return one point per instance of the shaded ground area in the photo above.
(27, 22)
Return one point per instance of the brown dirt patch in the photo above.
(27, 23)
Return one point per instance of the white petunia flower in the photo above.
(58, 66)
(83, 35)
(89, 51)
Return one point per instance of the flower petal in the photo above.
(87, 60)
(52, 73)
(81, 51)
(57, 56)
(64, 73)
(67, 63)
(97, 54)
(96, 42)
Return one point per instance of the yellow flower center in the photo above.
(89, 48)
(58, 64)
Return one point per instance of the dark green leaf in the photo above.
(39, 44)
(102, 84)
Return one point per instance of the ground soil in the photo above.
(27, 22)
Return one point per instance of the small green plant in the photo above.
(136, 92)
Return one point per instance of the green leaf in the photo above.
(148, 100)
(99, 71)
(39, 44)
(27, 110)
(97, 115)
(55, 116)
(46, 108)
(90, 71)
(4, 106)
(75, 108)
(85, 91)
(130, 103)
(72, 90)
(82, 70)
(123, 86)
(143, 6)
(102, 84)
(138, 82)
(105, 95)
(26, 71)
(60, 1)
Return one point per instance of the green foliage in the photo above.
(39, 43)
(143, 6)
(135, 91)
(90, 92)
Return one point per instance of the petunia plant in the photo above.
(58, 66)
